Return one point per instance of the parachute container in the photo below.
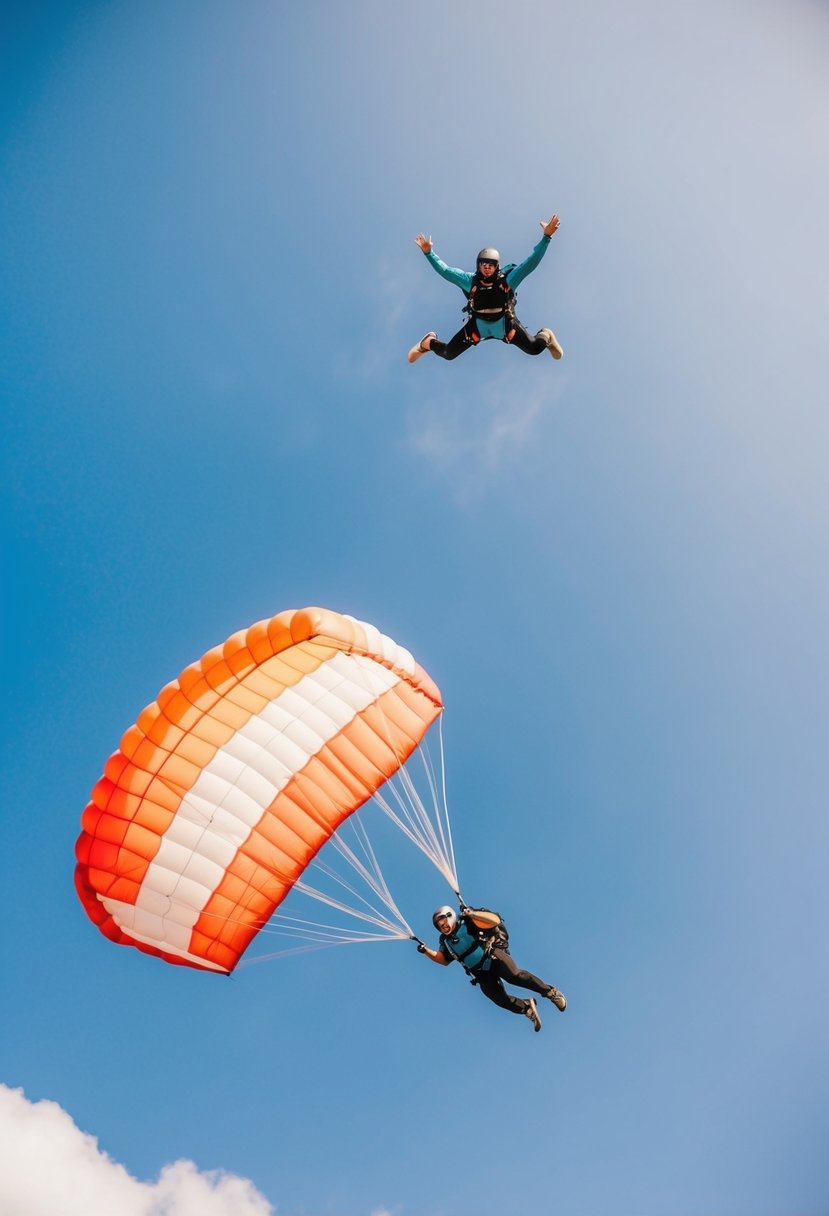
(230, 782)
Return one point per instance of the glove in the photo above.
(421, 949)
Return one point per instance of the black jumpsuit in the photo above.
(496, 967)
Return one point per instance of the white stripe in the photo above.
(227, 800)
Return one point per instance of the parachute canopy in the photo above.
(232, 780)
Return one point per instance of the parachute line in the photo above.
(434, 839)
(358, 893)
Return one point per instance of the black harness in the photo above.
(459, 955)
(496, 938)
(490, 299)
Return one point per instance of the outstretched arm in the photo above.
(461, 278)
(482, 919)
(437, 956)
(520, 272)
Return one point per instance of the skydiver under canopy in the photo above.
(478, 940)
(490, 293)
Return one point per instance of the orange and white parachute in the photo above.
(233, 779)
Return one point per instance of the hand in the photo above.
(421, 948)
(551, 226)
(425, 242)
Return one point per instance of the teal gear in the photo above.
(464, 945)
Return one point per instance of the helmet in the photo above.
(490, 255)
(446, 911)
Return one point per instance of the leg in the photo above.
(545, 339)
(523, 340)
(505, 967)
(491, 986)
(456, 345)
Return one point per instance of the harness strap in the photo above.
(507, 309)
(466, 953)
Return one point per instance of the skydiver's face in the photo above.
(487, 269)
(444, 924)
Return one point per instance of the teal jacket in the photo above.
(464, 280)
(465, 946)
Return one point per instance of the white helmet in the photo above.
(448, 912)
(490, 255)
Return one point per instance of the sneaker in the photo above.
(553, 345)
(531, 1012)
(558, 998)
(416, 351)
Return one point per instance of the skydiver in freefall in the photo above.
(490, 293)
(478, 940)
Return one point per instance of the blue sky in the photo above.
(614, 567)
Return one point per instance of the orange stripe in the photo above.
(313, 804)
(146, 782)
(160, 758)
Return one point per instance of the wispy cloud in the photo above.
(471, 440)
(49, 1165)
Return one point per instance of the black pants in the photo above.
(503, 967)
(463, 339)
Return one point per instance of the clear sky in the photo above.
(613, 566)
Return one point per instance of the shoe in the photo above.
(553, 345)
(531, 1012)
(416, 351)
(558, 998)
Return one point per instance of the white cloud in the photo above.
(470, 438)
(49, 1166)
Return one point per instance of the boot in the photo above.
(553, 345)
(416, 351)
(531, 1012)
(558, 998)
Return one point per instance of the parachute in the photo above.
(229, 784)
